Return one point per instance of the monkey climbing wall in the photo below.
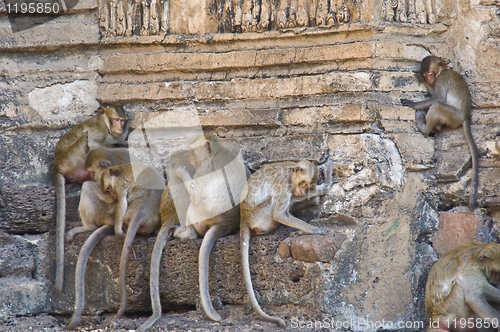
(318, 80)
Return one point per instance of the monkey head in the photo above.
(95, 165)
(431, 67)
(202, 146)
(490, 261)
(116, 119)
(462, 285)
(304, 177)
(109, 179)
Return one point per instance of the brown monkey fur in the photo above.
(96, 208)
(108, 127)
(97, 212)
(312, 198)
(449, 105)
(265, 202)
(206, 157)
(460, 285)
(170, 215)
(137, 209)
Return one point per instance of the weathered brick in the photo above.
(456, 229)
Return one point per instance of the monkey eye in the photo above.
(108, 188)
(117, 120)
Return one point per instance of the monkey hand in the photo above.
(407, 102)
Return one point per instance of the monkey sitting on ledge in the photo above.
(449, 105)
(265, 202)
(108, 127)
(460, 288)
(207, 181)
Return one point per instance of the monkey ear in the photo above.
(104, 164)
(101, 110)
(487, 257)
(115, 172)
(443, 64)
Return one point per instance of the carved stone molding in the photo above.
(151, 17)
(119, 18)
(409, 11)
(264, 15)
(133, 17)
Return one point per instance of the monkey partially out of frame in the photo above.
(108, 127)
(213, 210)
(461, 291)
(449, 105)
(265, 202)
(137, 209)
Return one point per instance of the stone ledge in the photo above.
(56, 34)
(142, 63)
(289, 33)
(277, 281)
(259, 89)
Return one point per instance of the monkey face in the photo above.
(111, 192)
(117, 125)
(117, 119)
(430, 77)
(108, 181)
(199, 154)
(300, 183)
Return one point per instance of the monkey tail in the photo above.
(60, 227)
(161, 241)
(245, 244)
(129, 238)
(214, 233)
(475, 164)
(81, 265)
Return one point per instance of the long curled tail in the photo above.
(60, 227)
(161, 241)
(475, 164)
(81, 265)
(245, 243)
(213, 234)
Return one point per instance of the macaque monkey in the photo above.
(218, 180)
(137, 208)
(214, 209)
(299, 203)
(265, 202)
(97, 212)
(96, 208)
(108, 127)
(450, 104)
(170, 216)
(461, 286)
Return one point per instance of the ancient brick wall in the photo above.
(318, 80)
